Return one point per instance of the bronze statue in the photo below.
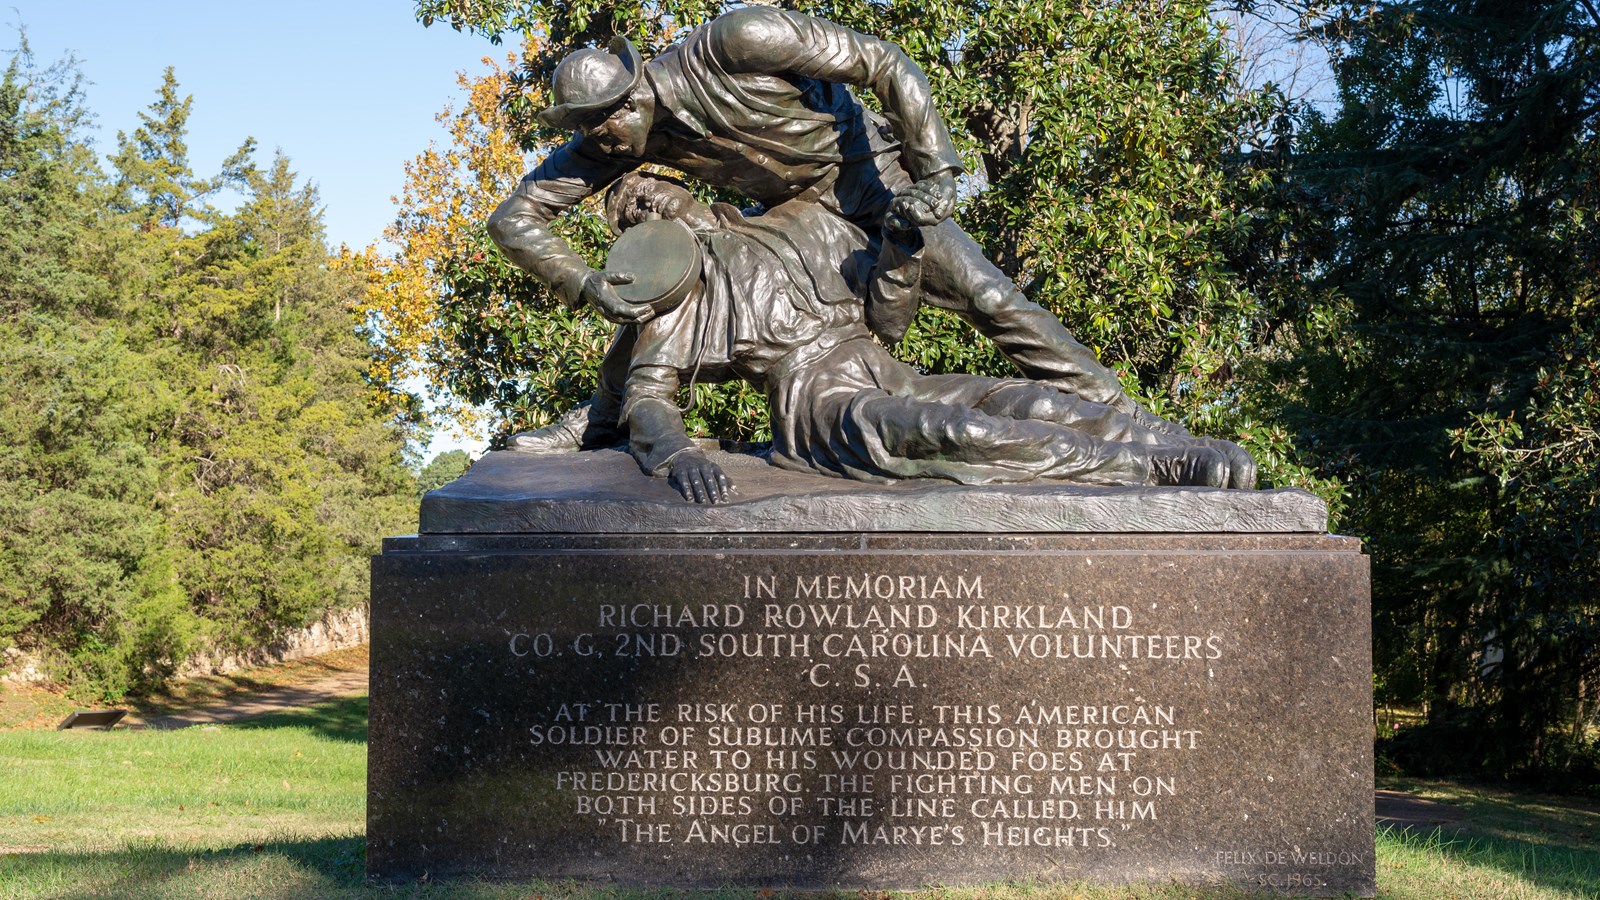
(759, 100)
(778, 300)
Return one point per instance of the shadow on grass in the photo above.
(203, 690)
(1554, 823)
(341, 719)
(318, 867)
(325, 868)
(1545, 821)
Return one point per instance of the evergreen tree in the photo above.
(1447, 371)
(186, 456)
(47, 171)
(153, 164)
(278, 482)
(443, 469)
(81, 544)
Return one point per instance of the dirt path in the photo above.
(271, 700)
(1398, 809)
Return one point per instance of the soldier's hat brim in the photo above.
(581, 101)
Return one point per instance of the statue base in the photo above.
(604, 492)
(868, 708)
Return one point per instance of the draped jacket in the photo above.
(778, 293)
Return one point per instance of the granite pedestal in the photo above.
(1092, 687)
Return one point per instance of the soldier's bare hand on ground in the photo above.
(699, 479)
(599, 291)
(928, 202)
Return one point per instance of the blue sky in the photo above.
(347, 90)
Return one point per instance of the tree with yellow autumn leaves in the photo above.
(448, 194)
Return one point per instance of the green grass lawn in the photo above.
(276, 806)
(271, 807)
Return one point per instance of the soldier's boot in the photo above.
(1187, 466)
(579, 428)
(1241, 467)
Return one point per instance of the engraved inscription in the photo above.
(875, 717)
(1026, 772)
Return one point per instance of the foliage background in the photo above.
(1387, 297)
(186, 455)
(1443, 216)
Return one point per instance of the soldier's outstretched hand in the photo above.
(699, 479)
(928, 202)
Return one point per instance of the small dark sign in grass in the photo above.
(276, 807)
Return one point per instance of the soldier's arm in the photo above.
(659, 441)
(520, 226)
(763, 40)
(895, 289)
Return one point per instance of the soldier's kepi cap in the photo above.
(591, 80)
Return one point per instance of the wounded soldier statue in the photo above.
(780, 300)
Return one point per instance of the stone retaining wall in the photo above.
(21, 668)
(338, 629)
